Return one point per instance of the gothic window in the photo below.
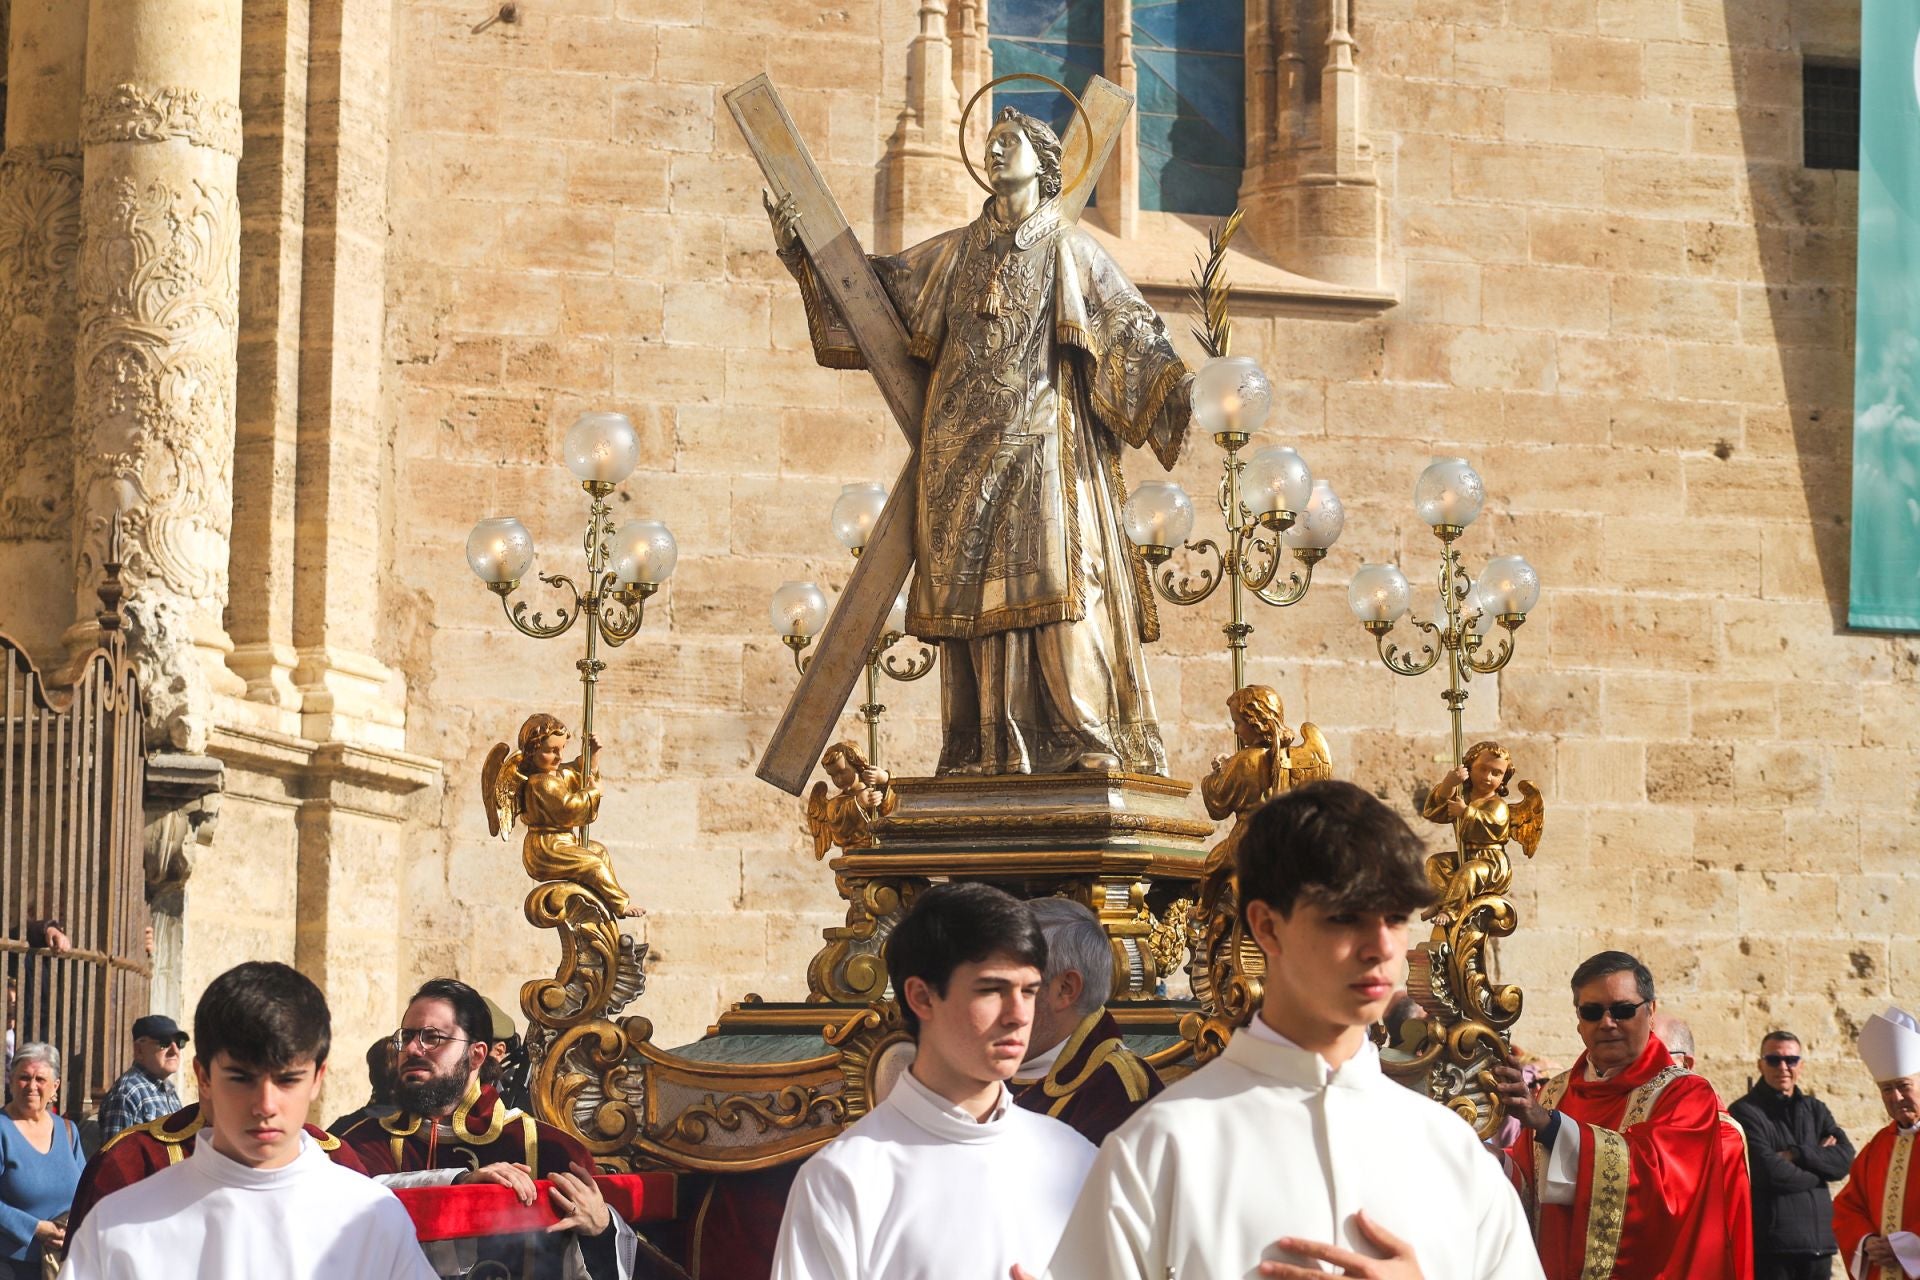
(1191, 61)
(1064, 40)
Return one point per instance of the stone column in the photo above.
(1119, 185)
(154, 357)
(39, 243)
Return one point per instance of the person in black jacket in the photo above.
(1794, 1149)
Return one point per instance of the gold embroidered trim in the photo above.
(1112, 1052)
(1554, 1090)
(1640, 1105)
(172, 1139)
(1893, 1201)
(1067, 424)
(1607, 1203)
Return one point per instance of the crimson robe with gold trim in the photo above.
(144, 1149)
(1861, 1209)
(1096, 1083)
(1659, 1196)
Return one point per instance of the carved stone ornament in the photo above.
(160, 113)
(159, 298)
(39, 244)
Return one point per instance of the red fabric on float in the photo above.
(486, 1209)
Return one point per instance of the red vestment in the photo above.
(1095, 1083)
(1662, 1192)
(145, 1149)
(1861, 1209)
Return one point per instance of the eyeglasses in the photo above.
(430, 1040)
(1619, 1012)
(1782, 1059)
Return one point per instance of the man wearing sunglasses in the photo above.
(1624, 1151)
(1794, 1150)
(145, 1090)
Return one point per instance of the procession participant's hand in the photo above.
(57, 939)
(516, 1178)
(1021, 1273)
(51, 1235)
(1879, 1252)
(1399, 1264)
(1511, 1084)
(1829, 1141)
(577, 1199)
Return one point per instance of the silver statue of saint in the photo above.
(1045, 362)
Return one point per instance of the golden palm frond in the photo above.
(1210, 288)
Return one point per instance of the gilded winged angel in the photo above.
(1045, 364)
(862, 795)
(553, 799)
(1473, 801)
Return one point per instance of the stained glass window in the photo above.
(1062, 39)
(1191, 61)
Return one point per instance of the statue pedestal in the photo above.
(999, 821)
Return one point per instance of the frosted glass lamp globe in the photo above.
(500, 550)
(799, 610)
(856, 511)
(1378, 593)
(1449, 494)
(1276, 486)
(1159, 516)
(601, 447)
(644, 554)
(1231, 395)
(1321, 524)
(1510, 585)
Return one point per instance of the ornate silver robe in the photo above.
(1046, 360)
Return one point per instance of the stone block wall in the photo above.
(1621, 297)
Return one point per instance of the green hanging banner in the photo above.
(1885, 593)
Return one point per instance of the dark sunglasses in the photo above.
(1782, 1059)
(1620, 1012)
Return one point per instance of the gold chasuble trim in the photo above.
(1607, 1205)
(1893, 1201)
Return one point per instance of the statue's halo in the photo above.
(1085, 160)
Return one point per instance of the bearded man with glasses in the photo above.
(1621, 1158)
(1794, 1149)
(452, 1129)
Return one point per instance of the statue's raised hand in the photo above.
(785, 217)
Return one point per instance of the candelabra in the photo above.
(1462, 611)
(624, 566)
(799, 611)
(1268, 500)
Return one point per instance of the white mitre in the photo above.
(1890, 1044)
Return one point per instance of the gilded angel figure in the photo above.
(1269, 761)
(1473, 800)
(863, 794)
(553, 799)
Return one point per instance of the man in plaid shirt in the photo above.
(145, 1090)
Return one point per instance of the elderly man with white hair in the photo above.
(1078, 1067)
(1877, 1218)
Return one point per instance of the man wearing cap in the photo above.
(145, 1090)
(1876, 1219)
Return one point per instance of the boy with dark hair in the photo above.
(258, 1197)
(1291, 1150)
(879, 1202)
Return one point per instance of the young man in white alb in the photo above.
(258, 1197)
(946, 1178)
(1291, 1155)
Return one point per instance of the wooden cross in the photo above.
(843, 271)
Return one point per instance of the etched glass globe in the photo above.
(856, 511)
(1321, 524)
(644, 553)
(1276, 479)
(601, 447)
(1378, 593)
(1231, 393)
(1159, 514)
(798, 609)
(500, 550)
(1510, 584)
(1449, 493)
